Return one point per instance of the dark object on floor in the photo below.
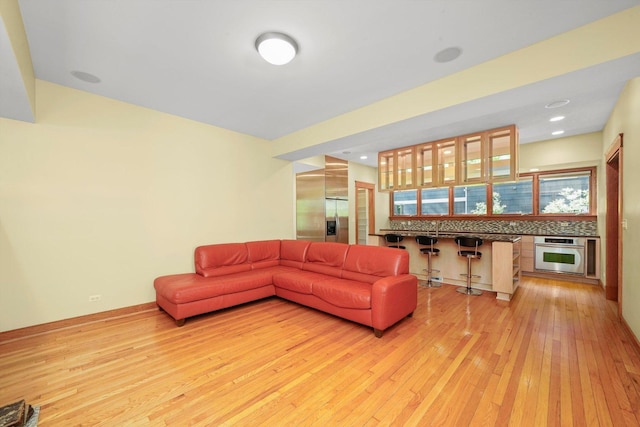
(17, 414)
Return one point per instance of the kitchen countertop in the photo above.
(491, 237)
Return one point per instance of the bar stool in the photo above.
(469, 242)
(393, 241)
(429, 250)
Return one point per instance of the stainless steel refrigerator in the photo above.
(337, 220)
(322, 207)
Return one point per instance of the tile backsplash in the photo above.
(542, 228)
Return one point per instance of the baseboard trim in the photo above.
(634, 340)
(74, 321)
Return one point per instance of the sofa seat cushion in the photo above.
(184, 288)
(344, 293)
(298, 281)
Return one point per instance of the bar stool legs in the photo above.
(468, 290)
(429, 250)
(429, 270)
(469, 242)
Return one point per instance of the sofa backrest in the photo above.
(326, 258)
(369, 263)
(265, 253)
(293, 252)
(355, 262)
(221, 259)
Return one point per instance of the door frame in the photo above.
(613, 262)
(371, 211)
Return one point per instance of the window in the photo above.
(435, 201)
(513, 197)
(564, 193)
(551, 193)
(470, 200)
(405, 202)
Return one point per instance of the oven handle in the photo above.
(551, 245)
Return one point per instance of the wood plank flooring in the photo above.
(556, 355)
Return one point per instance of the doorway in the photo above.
(613, 262)
(365, 211)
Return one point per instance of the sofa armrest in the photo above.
(392, 299)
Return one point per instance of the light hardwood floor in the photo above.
(555, 356)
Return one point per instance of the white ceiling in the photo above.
(197, 59)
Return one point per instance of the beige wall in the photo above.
(100, 197)
(625, 119)
(570, 152)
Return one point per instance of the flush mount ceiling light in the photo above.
(556, 104)
(276, 48)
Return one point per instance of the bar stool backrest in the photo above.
(468, 242)
(426, 241)
(393, 238)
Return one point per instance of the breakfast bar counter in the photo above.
(499, 267)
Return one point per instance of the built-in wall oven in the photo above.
(559, 254)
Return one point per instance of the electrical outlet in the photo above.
(564, 224)
(512, 223)
(94, 298)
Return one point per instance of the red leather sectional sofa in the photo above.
(370, 285)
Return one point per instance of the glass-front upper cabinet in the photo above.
(486, 156)
(472, 156)
(446, 162)
(386, 170)
(425, 167)
(502, 157)
(396, 169)
(405, 178)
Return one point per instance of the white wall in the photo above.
(99, 197)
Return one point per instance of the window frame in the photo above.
(535, 194)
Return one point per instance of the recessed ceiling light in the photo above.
(363, 157)
(85, 77)
(556, 104)
(556, 118)
(276, 48)
(448, 54)
(558, 132)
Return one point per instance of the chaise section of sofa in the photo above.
(365, 284)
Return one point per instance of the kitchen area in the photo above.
(536, 223)
(511, 248)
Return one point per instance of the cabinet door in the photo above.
(425, 166)
(406, 170)
(502, 154)
(446, 164)
(386, 170)
(472, 156)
